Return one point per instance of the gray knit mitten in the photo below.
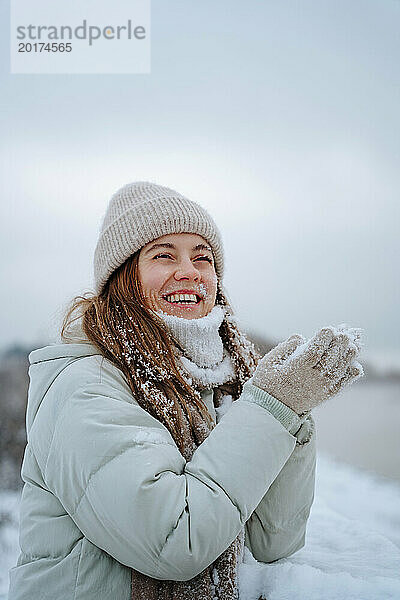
(302, 374)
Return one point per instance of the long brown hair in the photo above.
(137, 341)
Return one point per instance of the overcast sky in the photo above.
(281, 118)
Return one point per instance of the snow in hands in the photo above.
(304, 373)
(329, 345)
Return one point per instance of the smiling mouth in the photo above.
(183, 299)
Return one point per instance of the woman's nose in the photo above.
(186, 270)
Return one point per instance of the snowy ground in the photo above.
(352, 549)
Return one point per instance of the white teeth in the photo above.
(182, 298)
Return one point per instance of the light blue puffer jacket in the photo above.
(106, 488)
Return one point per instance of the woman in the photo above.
(157, 448)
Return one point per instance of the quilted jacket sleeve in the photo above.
(121, 478)
(277, 527)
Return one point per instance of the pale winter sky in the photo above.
(281, 118)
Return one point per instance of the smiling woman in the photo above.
(159, 444)
(181, 280)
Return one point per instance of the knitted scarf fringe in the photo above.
(218, 581)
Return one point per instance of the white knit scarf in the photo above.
(203, 356)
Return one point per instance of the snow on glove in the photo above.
(303, 374)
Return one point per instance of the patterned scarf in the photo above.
(218, 581)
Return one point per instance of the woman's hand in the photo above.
(302, 374)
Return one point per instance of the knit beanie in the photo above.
(140, 212)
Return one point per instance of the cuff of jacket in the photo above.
(285, 415)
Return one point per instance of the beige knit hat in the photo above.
(142, 211)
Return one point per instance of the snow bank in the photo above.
(352, 548)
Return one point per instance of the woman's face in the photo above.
(177, 275)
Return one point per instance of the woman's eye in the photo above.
(162, 256)
(207, 258)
